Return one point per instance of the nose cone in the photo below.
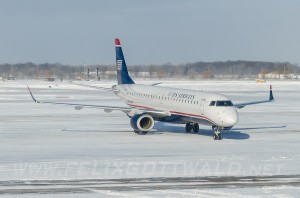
(231, 119)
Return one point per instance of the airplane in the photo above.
(150, 103)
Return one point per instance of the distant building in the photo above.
(292, 76)
(273, 75)
(78, 78)
(50, 79)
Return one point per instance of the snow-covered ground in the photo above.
(42, 145)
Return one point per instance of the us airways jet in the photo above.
(149, 103)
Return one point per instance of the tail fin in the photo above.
(122, 72)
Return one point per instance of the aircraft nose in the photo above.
(231, 119)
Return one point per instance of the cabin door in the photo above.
(202, 106)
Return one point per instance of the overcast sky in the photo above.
(151, 31)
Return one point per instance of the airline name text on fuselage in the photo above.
(181, 95)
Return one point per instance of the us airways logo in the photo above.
(119, 65)
(181, 95)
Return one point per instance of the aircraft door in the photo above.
(202, 106)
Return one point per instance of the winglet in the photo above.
(271, 94)
(32, 95)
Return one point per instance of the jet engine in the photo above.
(142, 122)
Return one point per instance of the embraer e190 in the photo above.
(150, 103)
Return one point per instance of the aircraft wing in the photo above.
(128, 110)
(94, 87)
(155, 84)
(105, 88)
(242, 105)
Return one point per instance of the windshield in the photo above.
(224, 103)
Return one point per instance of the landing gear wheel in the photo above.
(217, 137)
(143, 132)
(217, 133)
(188, 127)
(196, 128)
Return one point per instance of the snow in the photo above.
(40, 142)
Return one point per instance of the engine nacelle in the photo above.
(142, 122)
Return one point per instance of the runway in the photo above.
(144, 184)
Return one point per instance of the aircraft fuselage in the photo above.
(185, 106)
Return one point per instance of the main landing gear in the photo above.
(192, 126)
(217, 132)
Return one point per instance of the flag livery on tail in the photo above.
(122, 72)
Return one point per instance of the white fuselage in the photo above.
(184, 105)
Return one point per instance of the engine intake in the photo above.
(142, 122)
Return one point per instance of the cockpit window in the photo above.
(224, 103)
(212, 103)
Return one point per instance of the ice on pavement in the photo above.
(48, 142)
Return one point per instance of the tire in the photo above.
(144, 132)
(196, 128)
(215, 137)
(188, 127)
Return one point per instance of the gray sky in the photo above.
(151, 31)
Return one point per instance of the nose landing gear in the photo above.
(217, 132)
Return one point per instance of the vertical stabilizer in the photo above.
(122, 72)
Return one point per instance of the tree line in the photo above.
(198, 70)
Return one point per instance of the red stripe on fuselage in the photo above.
(192, 115)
